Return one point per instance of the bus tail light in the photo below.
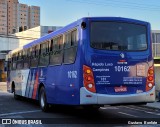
(150, 79)
(88, 79)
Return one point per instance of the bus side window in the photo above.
(14, 59)
(28, 54)
(56, 55)
(74, 38)
(9, 65)
(37, 51)
(44, 55)
(70, 48)
(51, 45)
(25, 59)
(19, 60)
(32, 51)
(34, 56)
(67, 43)
(55, 43)
(60, 42)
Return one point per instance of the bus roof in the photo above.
(72, 25)
(15, 50)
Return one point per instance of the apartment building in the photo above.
(12, 16)
(34, 16)
(22, 17)
(17, 17)
(3, 17)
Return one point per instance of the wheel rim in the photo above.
(42, 100)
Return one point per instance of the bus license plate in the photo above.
(120, 89)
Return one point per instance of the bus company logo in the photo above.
(122, 55)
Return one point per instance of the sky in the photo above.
(63, 12)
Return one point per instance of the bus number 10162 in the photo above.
(122, 68)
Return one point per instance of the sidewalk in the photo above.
(3, 86)
(156, 104)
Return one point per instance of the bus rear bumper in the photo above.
(87, 97)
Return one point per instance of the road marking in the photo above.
(4, 92)
(16, 113)
(153, 113)
(134, 108)
(143, 110)
(109, 108)
(127, 114)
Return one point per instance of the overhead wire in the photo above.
(130, 3)
(119, 4)
(148, 5)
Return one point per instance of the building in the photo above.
(22, 17)
(156, 43)
(17, 40)
(3, 17)
(17, 17)
(34, 15)
(12, 16)
(34, 33)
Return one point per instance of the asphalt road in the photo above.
(73, 116)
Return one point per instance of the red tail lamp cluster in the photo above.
(150, 79)
(88, 79)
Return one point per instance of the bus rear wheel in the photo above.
(16, 97)
(43, 100)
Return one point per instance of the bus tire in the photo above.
(91, 108)
(43, 100)
(16, 97)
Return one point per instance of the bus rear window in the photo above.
(118, 36)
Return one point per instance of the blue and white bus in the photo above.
(91, 62)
